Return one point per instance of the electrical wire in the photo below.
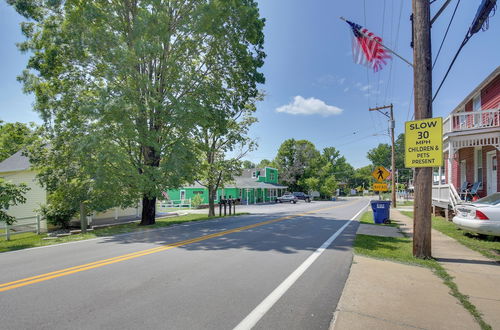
(445, 34)
(467, 37)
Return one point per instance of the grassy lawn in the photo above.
(28, 240)
(400, 249)
(405, 203)
(487, 246)
(367, 218)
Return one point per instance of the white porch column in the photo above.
(254, 196)
(451, 156)
(247, 195)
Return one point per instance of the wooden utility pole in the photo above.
(393, 153)
(422, 86)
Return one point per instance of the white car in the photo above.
(481, 216)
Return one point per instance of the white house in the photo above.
(16, 169)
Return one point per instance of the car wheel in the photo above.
(294, 202)
(308, 200)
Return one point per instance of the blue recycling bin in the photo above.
(381, 211)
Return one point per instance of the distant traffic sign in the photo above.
(380, 173)
(424, 143)
(380, 187)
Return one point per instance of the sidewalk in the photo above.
(383, 294)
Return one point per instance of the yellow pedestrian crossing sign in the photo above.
(380, 187)
(381, 173)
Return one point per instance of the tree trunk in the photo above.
(148, 211)
(151, 158)
(211, 201)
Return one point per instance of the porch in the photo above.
(471, 142)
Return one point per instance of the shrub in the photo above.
(57, 214)
(196, 201)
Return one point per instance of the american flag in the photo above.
(367, 49)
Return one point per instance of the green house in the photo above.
(253, 186)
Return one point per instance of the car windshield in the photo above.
(492, 199)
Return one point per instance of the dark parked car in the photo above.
(288, 198)
(302, 196)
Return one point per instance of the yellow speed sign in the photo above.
(424, 143)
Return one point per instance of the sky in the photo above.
(313, 88)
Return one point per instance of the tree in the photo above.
(362, 177)
(246, 164)
(265, 163)
(404, 174)
(10, 195)
(380, 155)
(294, 162)
(218, 137)
(122, 83)
(13, 137)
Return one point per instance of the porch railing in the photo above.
(463, 121)
(446, 194)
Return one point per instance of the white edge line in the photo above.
(251, 320)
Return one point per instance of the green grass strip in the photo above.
(488, 246)
(400, 249)
(367, 218)
(29, 240)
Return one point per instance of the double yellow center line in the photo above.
(100, 263)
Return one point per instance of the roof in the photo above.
(16, 162)
(245, 181)
(476, 90)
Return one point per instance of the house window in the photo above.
(183, 195)
(476, 103)
(271, 176)
(478, 160)
(254, 174)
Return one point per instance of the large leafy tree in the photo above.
(295, 161)
(217, 137)
(13, 137)
(380, 155)
(121, 83)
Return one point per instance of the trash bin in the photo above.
(380, 211)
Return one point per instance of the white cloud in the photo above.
(310, 106)
(346, 89)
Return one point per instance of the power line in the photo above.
(445, 34)
(480, 20)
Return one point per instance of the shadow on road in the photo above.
(305, 233)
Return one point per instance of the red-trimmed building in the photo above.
(471, 142)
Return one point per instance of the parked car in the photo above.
(287, 198)
(481, 216)
(302, 196)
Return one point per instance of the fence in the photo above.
(184, 203)
(22, 225)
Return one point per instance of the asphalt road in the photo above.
(269, 270)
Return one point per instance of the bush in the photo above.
(196, 201)
(57, 214)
